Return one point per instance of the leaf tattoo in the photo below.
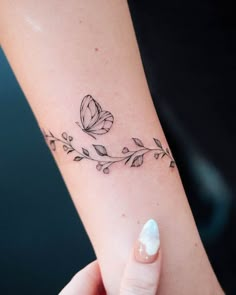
(138, 142)
(134, 158)
(101, 150)
(138, 161)
(158, 143)
(94, 121)
(86, 152)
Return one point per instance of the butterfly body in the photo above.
(94, 120)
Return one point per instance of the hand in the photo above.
(141, 275)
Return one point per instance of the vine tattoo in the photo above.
(94, 122)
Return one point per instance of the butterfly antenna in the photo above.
(78, 125)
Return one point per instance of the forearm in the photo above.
(62, 51)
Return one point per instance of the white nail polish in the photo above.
(150, 237)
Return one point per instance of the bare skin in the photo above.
(141, 274)
(62, 51)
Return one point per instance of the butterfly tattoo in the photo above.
(94, 120)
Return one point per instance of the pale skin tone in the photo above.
(61, 51)
(141, 275)
(89, 281)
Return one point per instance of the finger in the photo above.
(142, 273)
(87, 281)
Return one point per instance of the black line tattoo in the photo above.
(95, 121)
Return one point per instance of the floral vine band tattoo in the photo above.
(94, 122)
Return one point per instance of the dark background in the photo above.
(188, 52)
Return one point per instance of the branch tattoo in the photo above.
(95, 122)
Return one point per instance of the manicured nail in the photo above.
(148, 243)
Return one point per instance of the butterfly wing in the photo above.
(103, 124)
(90, 111)
(93, 119)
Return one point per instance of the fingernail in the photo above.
(148, 243)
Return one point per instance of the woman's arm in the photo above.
(61, 51)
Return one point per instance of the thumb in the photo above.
(142, 272)
(87, 281)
